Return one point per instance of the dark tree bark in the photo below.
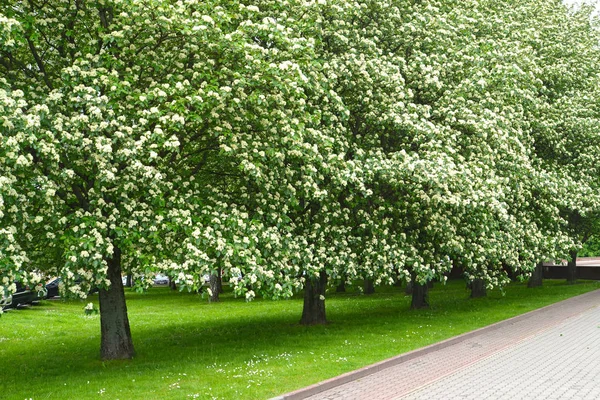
(420, 296)
(116, 340)
(537, 276)
(572, 267)
(313, 311)
(129, 280)
(220, 280)
(215, 287)
(409, 288)
(341, 288)
(369, 288)
(172, 284)
(478, 288)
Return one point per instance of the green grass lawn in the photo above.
(187, 348)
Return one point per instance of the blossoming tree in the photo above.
(133, 133)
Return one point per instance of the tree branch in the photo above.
(39, 63)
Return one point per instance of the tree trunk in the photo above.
(172, 284)
(116, 340)
(537, 276)
(369, 288)
(341, 288)
(478, 288)
(420, 296)
(572, 267)
(129, 281)
(220, 281)
(313, 311)
(409, 288)
(215, 287)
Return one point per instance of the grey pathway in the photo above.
(560, 363)
(551, 353)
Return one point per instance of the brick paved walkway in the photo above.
(551, 353)
(560, 363)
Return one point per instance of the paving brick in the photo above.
(544, 366)
(550, 353)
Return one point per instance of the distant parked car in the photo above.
(161, 280)
(52, 288)
(41, 292)
(23, 295)
(53, 284)
(5, 302)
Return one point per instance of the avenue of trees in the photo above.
(294, 145)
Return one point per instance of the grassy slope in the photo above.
(187, 348)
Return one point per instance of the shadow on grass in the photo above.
(178, 331)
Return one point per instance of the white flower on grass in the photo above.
(90, 309)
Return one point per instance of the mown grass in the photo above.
(188, 348)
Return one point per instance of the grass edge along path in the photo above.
(187, 348)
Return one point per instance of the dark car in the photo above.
(161, 280)
(41, 293)
(53, 284)
(5, 302)
(52, 288)
(23, 295)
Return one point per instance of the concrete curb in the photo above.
(393, 361)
